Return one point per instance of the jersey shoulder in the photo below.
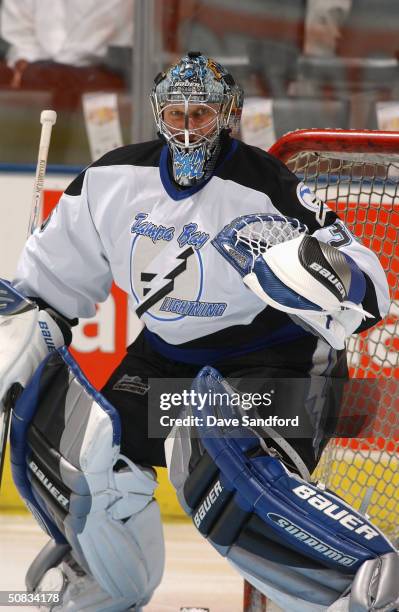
(141, 154)
(258, 156)
(145, 154)
(256, 169)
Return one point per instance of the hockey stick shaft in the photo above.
(47, 119)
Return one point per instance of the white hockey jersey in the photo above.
(123, 219)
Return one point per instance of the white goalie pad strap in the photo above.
(126, 558)
(288, 449)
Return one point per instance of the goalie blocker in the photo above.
(27, 335)
(296, 542)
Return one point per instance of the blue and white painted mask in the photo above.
(193, 102)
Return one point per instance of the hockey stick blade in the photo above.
(5, 413)
(5, 417)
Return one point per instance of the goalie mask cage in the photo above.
(357, 174)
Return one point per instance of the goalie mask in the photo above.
(193, 102)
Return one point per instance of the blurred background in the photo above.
(302, 63)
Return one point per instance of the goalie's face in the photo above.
(193, 102)
(191, 123)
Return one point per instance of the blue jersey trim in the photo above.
(288, 333)
(181, 194)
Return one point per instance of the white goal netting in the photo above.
(361, 183)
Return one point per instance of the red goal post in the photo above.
(357, 174)
(337, 141)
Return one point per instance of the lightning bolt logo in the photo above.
(169, 286)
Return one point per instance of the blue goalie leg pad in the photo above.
(23, 413)
(67, 465)
(310, 521)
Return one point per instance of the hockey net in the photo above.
(357, 174)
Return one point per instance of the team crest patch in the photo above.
(309, 200)
(131, 384)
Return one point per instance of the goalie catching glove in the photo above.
(27, 335)
(319, 286)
